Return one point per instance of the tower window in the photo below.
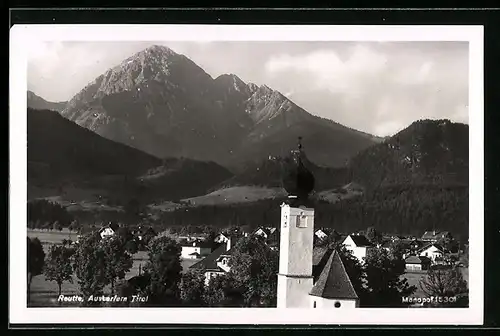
(337, 304)
(314, 305)
(302, 221)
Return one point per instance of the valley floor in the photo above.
(44, 293)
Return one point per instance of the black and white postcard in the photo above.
(246, 174)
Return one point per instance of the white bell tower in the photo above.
(296, 253)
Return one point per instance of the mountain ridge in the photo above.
(37, 102)
(164, 104)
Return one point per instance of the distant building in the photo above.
(434, 236)
(266, 232)
(195, 250)
(417, 263)
(386, 245)
(321, 234)
(221, 238)
(106, 232)
(216, 263)
(359, 245)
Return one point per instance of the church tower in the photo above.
(295, 278)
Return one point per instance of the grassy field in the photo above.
(44, 293)
(415, 277)
(51, 236)
(236, 195)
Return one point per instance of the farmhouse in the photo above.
(106, 232)
(359, 245)
(195, 250)
(216, 263)
(417, 263)
(434, 252)
(434, 236)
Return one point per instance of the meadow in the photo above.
(44, 293)
(415, 277)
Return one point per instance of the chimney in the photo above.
(228, 244)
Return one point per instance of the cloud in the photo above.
(328, 68)
(375, 87)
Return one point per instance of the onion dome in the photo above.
(298, 181)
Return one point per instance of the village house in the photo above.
(434, 252)
(106, 232)
(321, 234)
(417, 263)
(221, 238)
(195, 249)
(310, 277)
(216, 263)
(386, 245)
(266, 232)
(359, 245)
(435, 236)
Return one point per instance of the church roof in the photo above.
(333, 282)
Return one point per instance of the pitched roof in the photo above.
(360, 240)
(210, 261)
(416, 260)
(333, 282)
(439, 247)
(428, 234)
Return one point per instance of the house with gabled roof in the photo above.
(434, 236)
(433, 251)
(216, 263)
(106, 232)
(266, 232)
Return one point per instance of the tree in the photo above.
(192, 288)
(58, 265)
(148, 235)
(164, 269)
(224, 291)
(128, 239)
(90, 265)
(397, 249)
(446, 283)
(134, 209)
(118, 261)
(385, 285)
(373, 235)
(254, 267)
(35, 262)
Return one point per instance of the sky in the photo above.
(375, 87)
